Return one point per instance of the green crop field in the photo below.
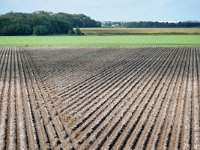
(117, 40)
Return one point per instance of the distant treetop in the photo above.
(151, 24)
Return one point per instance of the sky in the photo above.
(112, 10)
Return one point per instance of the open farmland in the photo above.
(101, 31)
(100, 98)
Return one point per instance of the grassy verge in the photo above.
(117, 40)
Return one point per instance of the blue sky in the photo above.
(113, 10)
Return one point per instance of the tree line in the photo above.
(151, 24)
(44, 23)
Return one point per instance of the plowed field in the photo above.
(99, 98)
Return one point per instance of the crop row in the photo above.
(150, 98)
(27, 120)
(100, 98)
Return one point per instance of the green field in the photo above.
(123, 40)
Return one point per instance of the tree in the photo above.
(40, 30)
(42, 23)
(71, 31)
(78, 31)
